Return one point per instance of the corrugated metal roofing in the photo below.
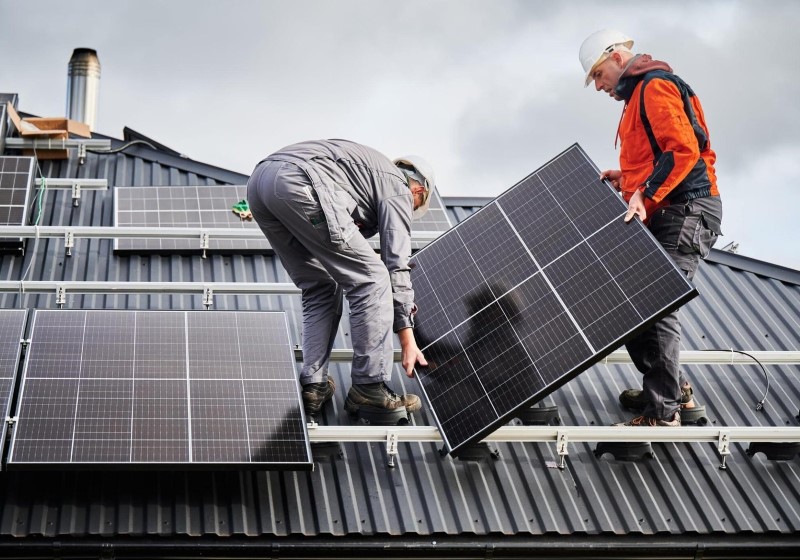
(425, 498)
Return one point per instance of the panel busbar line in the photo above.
(12, 330)
(530, 291)
(209, 206)
(161, 388)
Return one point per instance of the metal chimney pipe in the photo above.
(83, 86)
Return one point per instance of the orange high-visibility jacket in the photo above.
(665, 148)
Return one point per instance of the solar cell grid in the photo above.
(210, 206)
(16, 178)
(159, 387)
(531, 290)
(12, 327)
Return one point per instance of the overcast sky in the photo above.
(486, 90)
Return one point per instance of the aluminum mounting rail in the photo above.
(706, 357)
(75, 185)
(110, 232)
(723, 437)
(57, 144)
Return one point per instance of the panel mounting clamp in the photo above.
(76, 194)
(724, 448)
(205, 237)
(61, 296)
(208, 296)
(391, 447)
(561, 447)
(69, 242)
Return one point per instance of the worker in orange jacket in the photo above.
(667, 178)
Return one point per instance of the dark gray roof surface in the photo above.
(352, 498)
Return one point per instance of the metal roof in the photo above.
(677, 502)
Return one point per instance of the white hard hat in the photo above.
(597, 46)
(420, 170)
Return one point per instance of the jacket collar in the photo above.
(636, 68)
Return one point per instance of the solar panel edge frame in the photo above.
(595, 358)
(154, 466)
(4, 433)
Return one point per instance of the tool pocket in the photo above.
(666, 225)
(338, 206)
(699, 233)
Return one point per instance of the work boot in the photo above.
(379, 395)
(317, 394)
(639, 421)
(633, 399)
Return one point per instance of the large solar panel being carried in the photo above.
(12, 328)
(531, 290)
(166, 388)
(210, 207)
(16, 177)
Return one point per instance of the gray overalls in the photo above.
(317, 202)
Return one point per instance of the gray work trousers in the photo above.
(288, 211)
(687, 231)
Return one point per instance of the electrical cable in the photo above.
(39, 201)
(123, 147)
(759, 404)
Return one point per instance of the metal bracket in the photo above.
(724, 448)
(11, 420)
(391, 446)
(208, 297)
(561, 447)
(69, 242)
(24, 342)
(76, 194)
(81, 153)
(204, 242)
(61, 296)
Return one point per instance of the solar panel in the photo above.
(16, 176)
(12, 327)
(210, 207)
(531, 290)
(179, 388)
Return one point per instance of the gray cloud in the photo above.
(487, 90)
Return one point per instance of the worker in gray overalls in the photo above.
(317, 202)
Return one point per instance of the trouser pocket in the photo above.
(699, 232)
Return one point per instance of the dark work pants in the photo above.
(687, 232)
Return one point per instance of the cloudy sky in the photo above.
(486, 90)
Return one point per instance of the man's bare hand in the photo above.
(636, 207)
(613, 176)
(410, 353)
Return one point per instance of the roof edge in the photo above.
(749, 264)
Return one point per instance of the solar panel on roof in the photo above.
(531, 290)
(178, 388)
(210, 207)
(16, 177)
(12, 326)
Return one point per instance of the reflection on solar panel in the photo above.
(159, 387)
(16, 176)
(210, 207)
(12, 326)
(531, 290)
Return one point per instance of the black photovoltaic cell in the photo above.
(12, 326)
(531, 290)
(160, 387)
(210, 207)
(16, 177)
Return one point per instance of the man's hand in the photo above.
(613, 176)
(409, 352)
(636, 207)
